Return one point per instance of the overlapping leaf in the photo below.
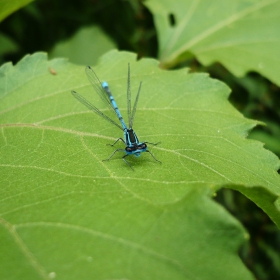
(242, 35)
(9, 6)
(82, 47)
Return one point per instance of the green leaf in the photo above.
(271, 141)
(7, 45)
(7, 7)
(67, 214)
(242, 35)
(85, 46)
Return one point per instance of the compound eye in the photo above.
(143, 146)
(131, 149)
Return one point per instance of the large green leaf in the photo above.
(243, 35)
(66, 213)
(9, 6)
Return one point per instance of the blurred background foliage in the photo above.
(83, 30)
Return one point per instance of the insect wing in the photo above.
(97, 85)
(93, 108)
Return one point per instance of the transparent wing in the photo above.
(93, 108)
(97, 85)
(128, 98)
(135, 106)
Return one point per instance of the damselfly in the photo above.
(133, 145)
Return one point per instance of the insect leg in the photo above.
(118, 150)
(116, 142)
(153, 156)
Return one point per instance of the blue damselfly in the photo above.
(133, 145)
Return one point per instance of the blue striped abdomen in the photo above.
(113, 102)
